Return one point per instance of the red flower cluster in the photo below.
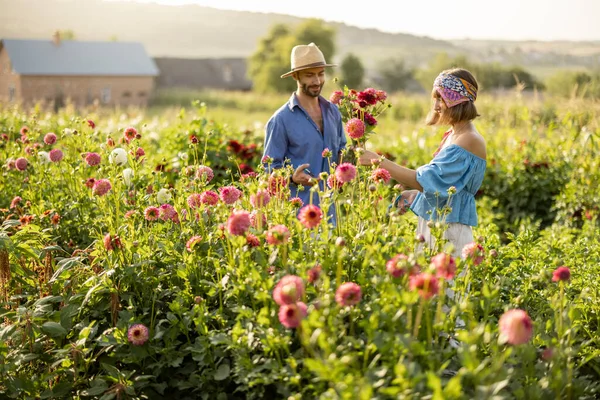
(244, 152)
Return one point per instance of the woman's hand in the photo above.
(407, 197)
(367, 156)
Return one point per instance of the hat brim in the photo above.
(307, 67)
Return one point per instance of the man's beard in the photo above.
(310, 90)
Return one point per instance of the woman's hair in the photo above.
(461, 112)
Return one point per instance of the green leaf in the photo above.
(54, 329)
(95, 391)
(112, 370)
(222, 372)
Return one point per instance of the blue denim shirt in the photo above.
(452, 166)
(292, 135)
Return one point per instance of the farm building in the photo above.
(56, 71)
(203, 73)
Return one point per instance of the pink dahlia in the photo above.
(129, 134)
(561, 274)
(398, 265)
(209, 197)
(167, 212)
(473, 251)
(101, 187)
(336, 97)
(205, 173)
(288, 290)
(192, 242)
(355, 128)
(333, 182)
(515, 327)
(15, 202)
(229, 194)
(92, 159)
(238, 222)
(314, 273)
(279, 234)
(151, 213)
(425, 284)
(252, 240)
(50, 138)
(55, 155)
(310, 216)
(21, 164)
(194, 200)
(138, 334)
(348, 294)
(296, 202)
(381, 175)
(445, 265)
(290, 315)
(345, 172)
(381, 95)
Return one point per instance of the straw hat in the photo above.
(305, 57)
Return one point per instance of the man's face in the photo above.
(311, 81)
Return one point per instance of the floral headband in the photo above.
(454, 90)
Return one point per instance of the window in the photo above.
(11, 92)
(105, 95)
(127, 94)
(142, 94)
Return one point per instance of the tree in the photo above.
(272, 56)
(315, 31)
(353, 71)
(269, 61)
(66, 34)
(394, 75)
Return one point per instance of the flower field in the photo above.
(151, 257)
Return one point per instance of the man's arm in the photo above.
(276, 143)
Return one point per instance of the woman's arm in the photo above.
(406, 176)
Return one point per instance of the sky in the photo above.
(441, 19)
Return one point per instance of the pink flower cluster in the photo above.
(445, 265)
(288, 294)
(474, 252)
(279, 234)
(425, 284)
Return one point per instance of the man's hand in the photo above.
(302, 178)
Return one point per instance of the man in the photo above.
(306, 125)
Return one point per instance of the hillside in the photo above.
(195, 31)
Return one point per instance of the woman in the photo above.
(459, 162)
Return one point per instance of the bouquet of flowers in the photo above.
(360, 111)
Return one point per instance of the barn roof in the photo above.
(70, 57)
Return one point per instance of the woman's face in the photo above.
(438, 104)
